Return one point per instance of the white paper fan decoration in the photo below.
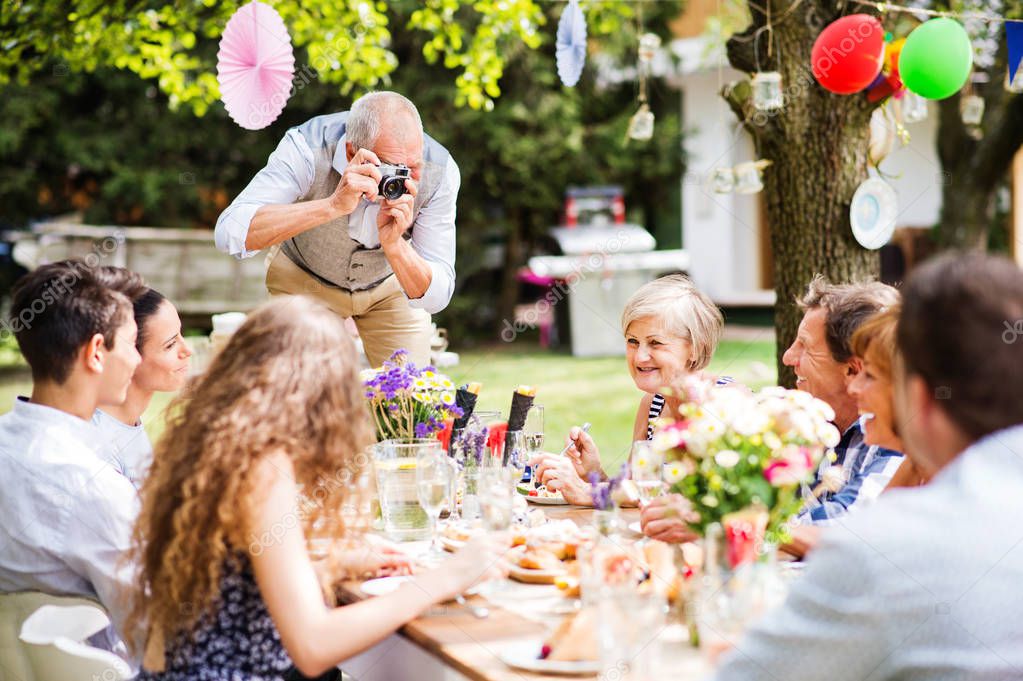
(571, 43)
(255, 66)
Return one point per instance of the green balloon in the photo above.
(936, 59)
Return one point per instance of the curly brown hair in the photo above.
(287, 381)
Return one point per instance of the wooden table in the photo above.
(447, 643)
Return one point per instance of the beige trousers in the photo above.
(382, 314)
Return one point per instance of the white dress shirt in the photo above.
(289, 173)
(926, 583)
(126, 448)
(67, 514)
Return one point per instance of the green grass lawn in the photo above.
(571, 390)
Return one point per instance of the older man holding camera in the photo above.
(358, 209)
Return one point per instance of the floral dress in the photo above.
(238, 642)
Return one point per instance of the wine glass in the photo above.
(645, 469)
(434, 474)
(534, 430)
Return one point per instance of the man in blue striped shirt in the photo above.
(824, 366)
(924, 584)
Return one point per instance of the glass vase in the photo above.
(394, 462)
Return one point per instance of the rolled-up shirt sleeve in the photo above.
(287, 176)
(433, 238)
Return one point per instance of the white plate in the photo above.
(383, 585)
(525, 655)
(874, 209)
(547, 501)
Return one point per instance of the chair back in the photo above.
(41, 639)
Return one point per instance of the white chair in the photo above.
(41, 639)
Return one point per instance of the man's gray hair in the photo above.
(370, 112)
(846, 306)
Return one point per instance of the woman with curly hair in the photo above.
(261, 457)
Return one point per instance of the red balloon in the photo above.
(848, 54)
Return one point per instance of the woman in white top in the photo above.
(164, 368)
(671, 330)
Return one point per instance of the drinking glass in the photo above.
(645, 469)
(434, 474)
(487, 418)
(534, 430)
(497, 498)
(516, 454)
(629, 624)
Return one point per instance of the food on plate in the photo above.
(661, 575)
(574, 640)
(535, 558)
(569, 583)
(540, 492)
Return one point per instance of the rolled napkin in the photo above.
(444, 434)
(495, 437)
(522, 400)
(465, 399)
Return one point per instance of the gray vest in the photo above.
(327, 252)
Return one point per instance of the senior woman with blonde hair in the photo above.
(671, 330)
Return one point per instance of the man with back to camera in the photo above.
(359, 209)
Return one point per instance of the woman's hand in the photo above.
(372, 558)
(665, 518)
(482, 558)
(559, 474)
(584, 453)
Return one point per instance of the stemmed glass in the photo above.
(645, 469)
(434, 476)
(534, 430)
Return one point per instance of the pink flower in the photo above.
(791, 466)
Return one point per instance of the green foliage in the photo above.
(10, 355)
(349, 44)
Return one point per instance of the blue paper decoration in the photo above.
(571, 44)
(1014, 41)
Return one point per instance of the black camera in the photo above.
(392, 180)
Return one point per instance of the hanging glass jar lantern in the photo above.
(972, 110)
(767, 94)
(648, 44)
(641, 125)
(722, 180)
(914, 108)
(748, 179)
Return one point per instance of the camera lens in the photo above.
(392, 188)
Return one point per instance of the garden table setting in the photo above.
(586, 593)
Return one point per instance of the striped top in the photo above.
(657, 405)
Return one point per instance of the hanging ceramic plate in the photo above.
(571, 44)
(255, 66)
(875, 206)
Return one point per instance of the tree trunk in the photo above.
(973, 168)
(818, 148)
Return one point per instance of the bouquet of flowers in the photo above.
(407, 402)
(735, 451)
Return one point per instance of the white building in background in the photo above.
(726, 234)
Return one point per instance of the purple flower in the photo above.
(600, 492)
